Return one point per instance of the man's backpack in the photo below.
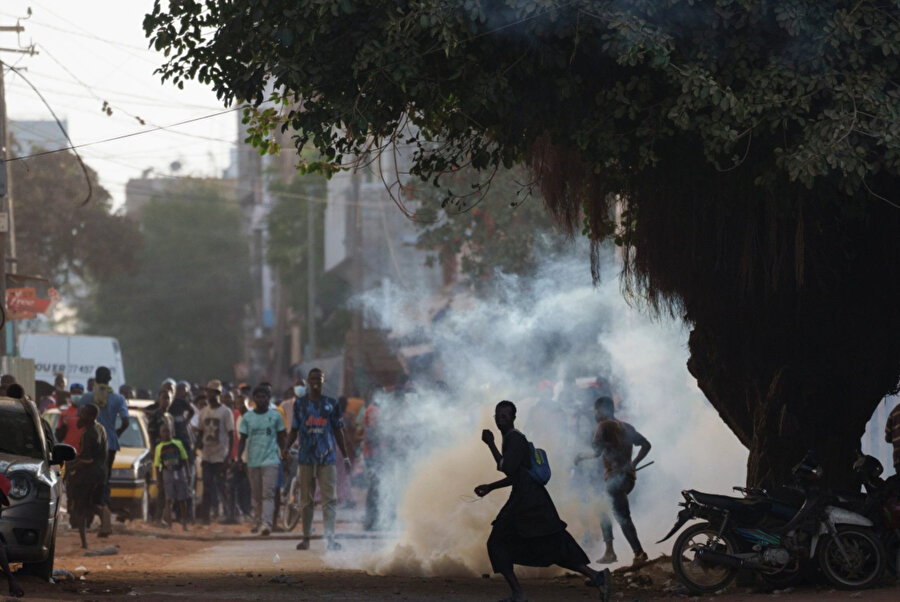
(539, 469)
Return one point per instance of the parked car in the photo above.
(132, 482)
(29, 459)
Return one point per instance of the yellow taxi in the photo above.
(132, 483)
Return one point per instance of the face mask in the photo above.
(299, 390)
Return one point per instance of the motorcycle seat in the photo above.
(729, 503)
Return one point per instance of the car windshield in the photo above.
(133, 435)
(18, 435)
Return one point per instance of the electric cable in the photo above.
(121, 136)
(87, 177)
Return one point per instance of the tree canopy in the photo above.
(191, 282)
(57, 237)
(809, 83)
(743, 152)
(507, 231)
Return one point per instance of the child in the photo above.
(14, 589)
(86, 474)
(170, 460)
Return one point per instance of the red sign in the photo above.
(24, 304)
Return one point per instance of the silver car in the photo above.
(28, 458)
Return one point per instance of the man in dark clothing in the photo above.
(182, 411)
(112, 406)
(614, 441)
(87, 473)
(892, 435)
(528, 530)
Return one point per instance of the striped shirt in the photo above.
(892, 434)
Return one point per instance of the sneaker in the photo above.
(333, 545)
(303, 545)
(640, 559)
(608, 558)
(265, 532)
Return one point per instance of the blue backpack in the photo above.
(539, 469)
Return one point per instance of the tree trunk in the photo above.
(784, 397)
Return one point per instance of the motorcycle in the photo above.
(880, 504)
(774, 535)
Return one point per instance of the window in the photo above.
(18, 435)
(133, 435)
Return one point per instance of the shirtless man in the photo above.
(614, 442)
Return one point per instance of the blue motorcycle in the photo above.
(778, 536)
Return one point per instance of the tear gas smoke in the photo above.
(556, 326)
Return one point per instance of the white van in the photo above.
(76, 356)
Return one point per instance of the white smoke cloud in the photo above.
(500, 346)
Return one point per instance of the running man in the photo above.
(528, 530)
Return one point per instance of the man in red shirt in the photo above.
(67, 430)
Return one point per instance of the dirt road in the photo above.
(223, 564)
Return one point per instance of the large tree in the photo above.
(179, 313)
(57, 235)
(503, 228)
(744, 153)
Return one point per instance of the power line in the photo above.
(140, 120)
(90, 34)
(87, 177)
(155, 101)
(122, 136)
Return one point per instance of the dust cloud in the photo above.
(553, 326)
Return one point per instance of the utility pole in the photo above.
(7, 232)
(311, 273)
(5, 201)
(359, 248)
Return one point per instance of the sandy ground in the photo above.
(226, 563)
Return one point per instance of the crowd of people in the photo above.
(244, 444)
(237, 446)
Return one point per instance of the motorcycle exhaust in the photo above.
(706, 555)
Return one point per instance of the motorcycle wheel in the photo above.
(865, 562)
(702, 577)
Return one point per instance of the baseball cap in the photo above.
(215, 385)
(5, 486)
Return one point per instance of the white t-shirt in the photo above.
(215, 424)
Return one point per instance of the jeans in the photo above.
(238, 492)
(373, 476)
(326, 476)
(213, 487)
(617, 488)
(263, 481)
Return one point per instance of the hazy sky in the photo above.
(91, 51)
